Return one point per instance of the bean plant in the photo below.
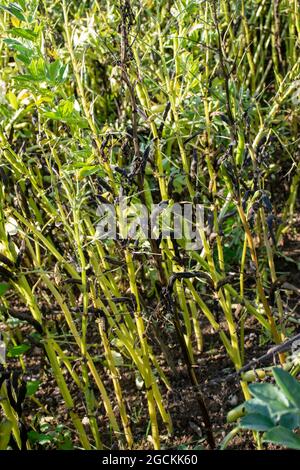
(157, 102)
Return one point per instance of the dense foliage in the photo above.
(158, 102)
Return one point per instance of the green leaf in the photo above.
(45, 427)
(14, 43)
(76, 119)
(257, 406)
(3, 288)
(13, 100)
(25, 53)
(52, 70)
(5, 431)
(266, 392)
(66, 444)
(42, 439)
(87, 171)
(16, 351)
(26, 77)
(25, 59)
(267, 404)
(24, 33)
(63, 73)
(277, 408)
(288, 384)
(256, 422)
(32, 387)
(65, 108)
(37, 68)
(290, 420)
(283, 437)
(56, 72)
(22, 4)
(15, 10)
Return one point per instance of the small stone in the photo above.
(85, 421)
(233, 400)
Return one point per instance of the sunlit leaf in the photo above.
(16, 351)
